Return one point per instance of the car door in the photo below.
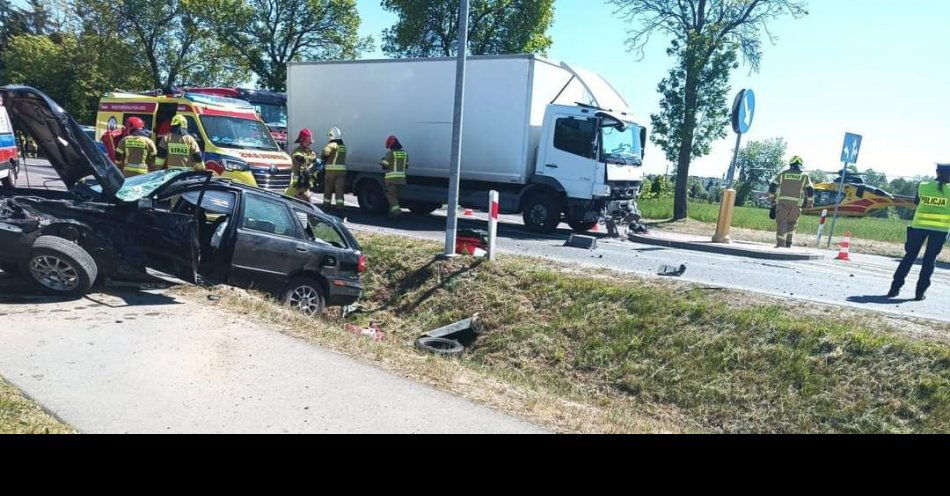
(267, 244)
(569, 153)
(166, 241)
(326, 247)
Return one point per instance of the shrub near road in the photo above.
(727, 364)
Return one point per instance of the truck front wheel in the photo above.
(371, 197)
(542, 213)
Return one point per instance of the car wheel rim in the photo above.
(54, 273)
(306, 299)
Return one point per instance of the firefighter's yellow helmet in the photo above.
(179, 120)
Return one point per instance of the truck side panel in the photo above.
(414, 100)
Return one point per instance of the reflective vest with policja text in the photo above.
(933, 212)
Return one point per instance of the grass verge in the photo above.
(20, 415)
(596, 352)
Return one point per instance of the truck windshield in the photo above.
(272, 115)
(236, 132)
(621, 147)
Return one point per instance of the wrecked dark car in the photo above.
(186, 224)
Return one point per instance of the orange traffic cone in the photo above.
(845, 248)
(596, 228)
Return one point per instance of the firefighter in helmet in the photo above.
(334, 163)
(136, 152)
(304, 159)
(179, 149)
(395, 164)
(785, 195)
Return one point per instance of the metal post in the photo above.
(493, 209)
(732, 167)
(728, 200)
(834, 219)
(821, 226)
(456, 164)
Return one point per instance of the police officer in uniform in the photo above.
(931, 225)
(334, 160)
(179, 149)
(395, 164)
(135, 152)
(785, 194)
(304, 159)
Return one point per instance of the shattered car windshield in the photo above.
(137, 187)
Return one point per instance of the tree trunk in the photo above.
(680, 207)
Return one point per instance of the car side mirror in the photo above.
(146, 202)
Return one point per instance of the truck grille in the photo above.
(271, 179)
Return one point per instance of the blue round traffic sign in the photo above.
(743, 110)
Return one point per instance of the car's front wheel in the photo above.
(304, 295)
(60, 266)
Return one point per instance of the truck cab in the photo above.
(593, 158)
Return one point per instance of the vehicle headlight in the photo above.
(235, 165)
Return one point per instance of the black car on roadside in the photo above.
(186, 224)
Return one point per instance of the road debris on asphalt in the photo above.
(671, 270)
(583, 242)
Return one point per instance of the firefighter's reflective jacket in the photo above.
(788, 187)
(334, 156)
(136, 152)
(179, 150)
(395, 163)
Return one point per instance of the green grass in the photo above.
(19, 415)
(871, 228)
(727, 368)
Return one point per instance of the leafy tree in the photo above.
(429, 28)
(876, 179)
(170, 41)
(758, 163)
(704, 28)
(267, 34)
(713, 113)
(73, 70)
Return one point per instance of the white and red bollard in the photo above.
(821, 224)
(493, 211)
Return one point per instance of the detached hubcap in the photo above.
(306, 299)
(54, 273)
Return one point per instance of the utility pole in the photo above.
(456, 163)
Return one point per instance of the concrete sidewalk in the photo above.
(149, 363)
(745, 249)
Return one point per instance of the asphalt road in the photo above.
(860, 283)
(37, 173)
(146, 362)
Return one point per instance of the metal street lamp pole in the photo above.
(456, 163)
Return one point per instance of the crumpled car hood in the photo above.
(71, 153)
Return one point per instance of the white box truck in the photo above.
(558, 143)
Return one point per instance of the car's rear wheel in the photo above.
(305, 295)
(371, 198)
(60, 266)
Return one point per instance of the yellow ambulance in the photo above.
(234, 142)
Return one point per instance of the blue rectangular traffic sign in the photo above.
(852, 146)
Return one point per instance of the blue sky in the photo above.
(880, 68)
